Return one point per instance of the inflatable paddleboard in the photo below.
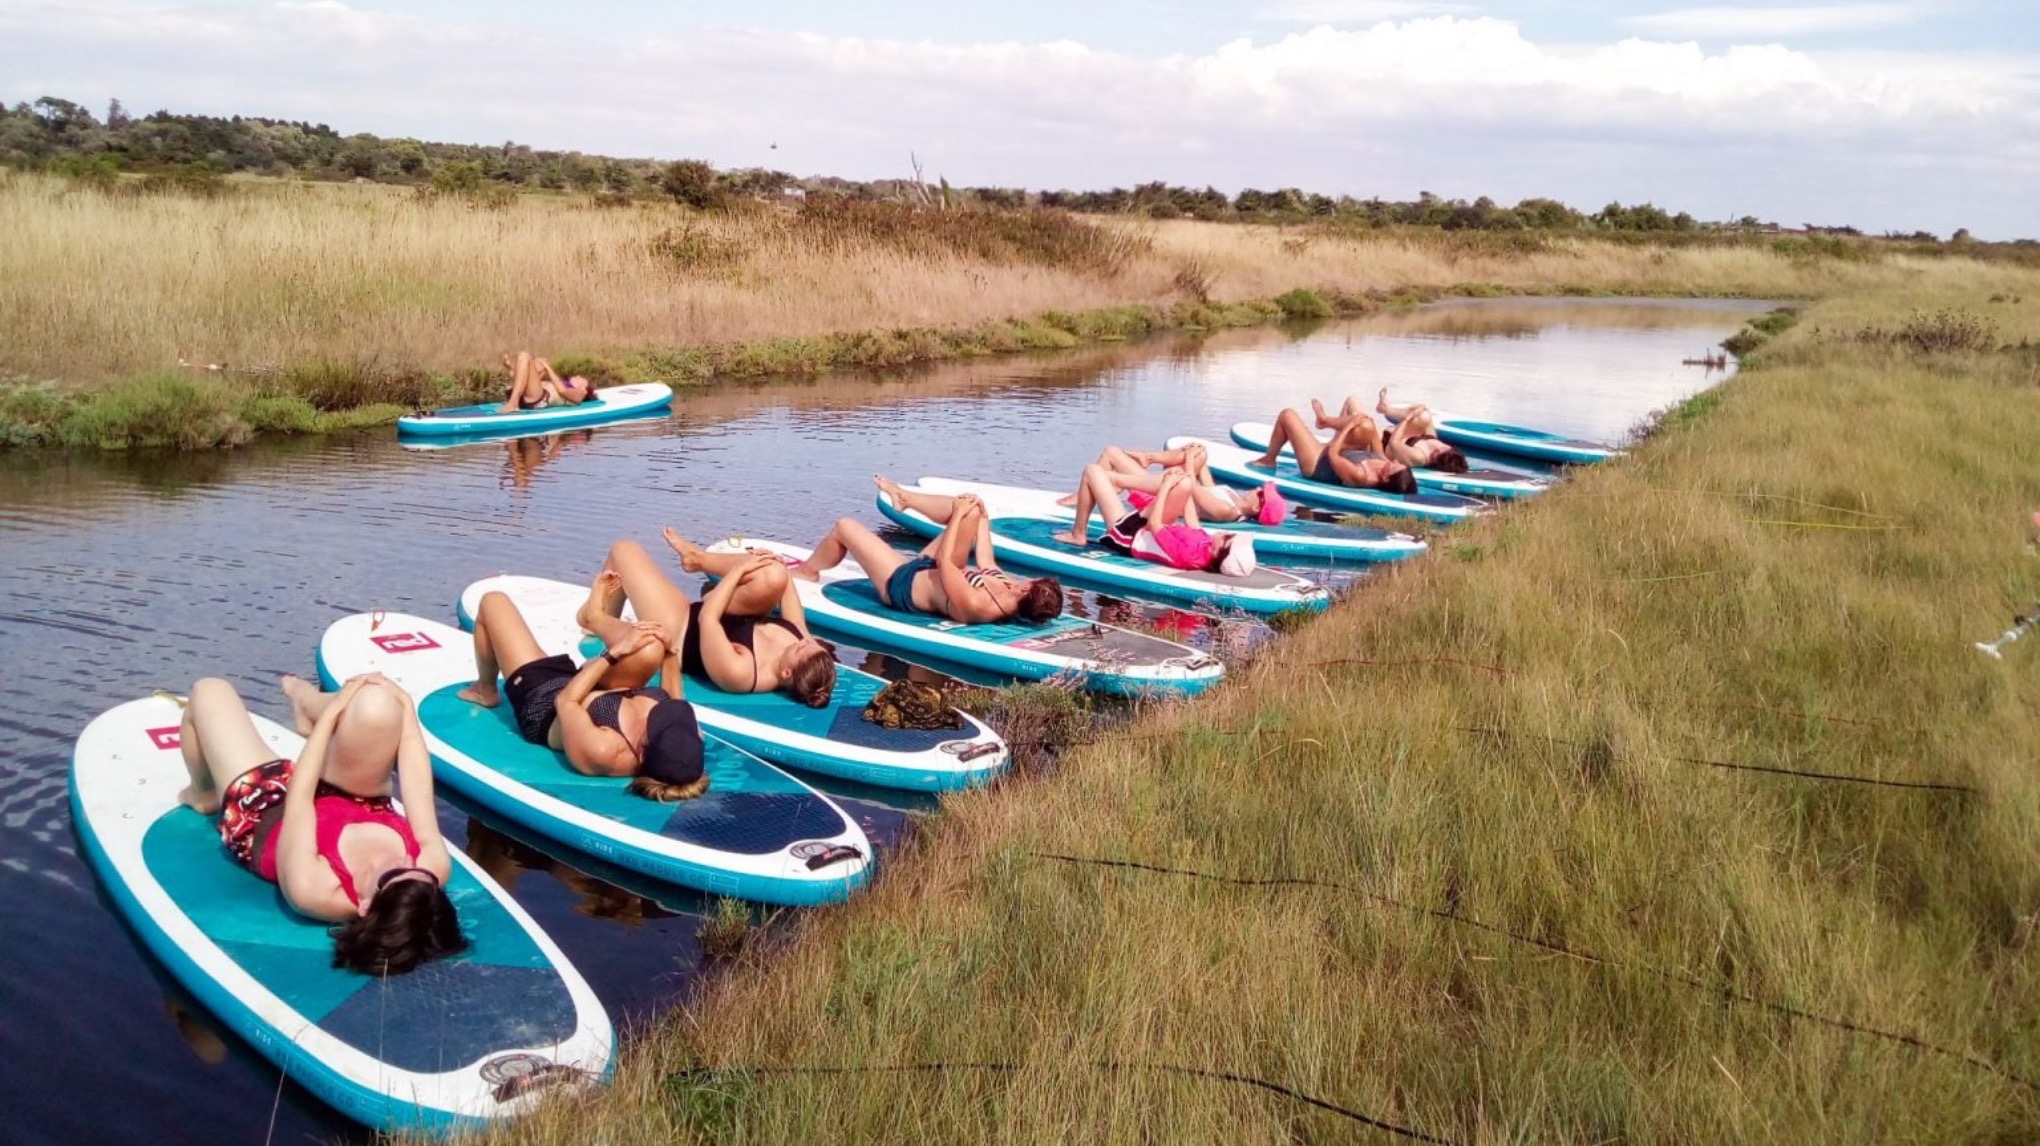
(1031, 542)
(1229, 465)
(1521, 441)
(1473, 483)
(1102, 657)
(834, 741)
(452, 1046)
(1295, 539)
(756, 834)
(606, 405)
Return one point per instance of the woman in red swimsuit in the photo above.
(324, 828)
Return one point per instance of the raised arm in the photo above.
(306, 882)
(730, 665)
(592, 750)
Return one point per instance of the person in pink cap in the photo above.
(1167, 532)
(1128, 472)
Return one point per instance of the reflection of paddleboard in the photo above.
(1229, 465)
(1472, 483)
(450, 1046)
(1295, 538)
(1521, 441)
(834, 741)
(752, 835)
(1102, 657)
(1030, 541)
(606, 405)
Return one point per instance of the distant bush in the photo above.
(1302, 303)
(691, 183)
(1941, 331)
(1039, 236)
(694, 248)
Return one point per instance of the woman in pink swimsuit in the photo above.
(325, 827)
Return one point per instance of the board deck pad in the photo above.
(1293, 538)
(1101, 656)
(834, 740)
(749, 835)
(1522, 441)
(406, 1051)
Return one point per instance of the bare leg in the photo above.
(1213, 503)
(1291, 430)
(524, 385)
(602, 615)
(219, 742)
(502, 642)
(1393, 413)
(756, 597)
(1096, 489)
(852, 538)
(936, 507)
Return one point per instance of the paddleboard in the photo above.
(1520, 441)
(1229, 465)
(1101, 657)
(1031, 542)
(833, 741)
(452, 1046)
(1473, 483)
(606, 405)
(1295, 538)
(752, 835)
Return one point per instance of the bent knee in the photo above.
(211, 690)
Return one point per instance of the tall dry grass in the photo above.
(376, 281)
(1541, 894)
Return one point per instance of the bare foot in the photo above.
(891, 489)
(479, 693)
(605, 595)
(1265, 461)
(1067, 499)
(205, 803)
(1381, 402)
(1070, 538)
(690, 553)
(300, 693)
(1317, 409)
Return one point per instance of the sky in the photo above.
(1882, 114)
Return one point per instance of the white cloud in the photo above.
(1778, 23)
(1349, 12)
(1462, 106)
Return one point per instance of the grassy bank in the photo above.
(1673, 805)
(330, 306)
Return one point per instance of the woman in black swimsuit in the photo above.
(599, 715)
(1352, 458)
(730, 637)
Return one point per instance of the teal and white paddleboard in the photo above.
(608, 404)
(1229, 464)
(1031, 541)
(833, 741)
(1100, 656)
(1521, 441)
(452, 1046)
(1296, 538)
(756, 834)
(1472, 483)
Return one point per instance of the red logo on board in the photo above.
(165, 738)
(404, 642)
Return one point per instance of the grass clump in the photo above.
(725, 931)
(1946, 331)
(1302, 303)
(1039, 721)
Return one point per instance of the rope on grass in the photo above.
(1418, 662)
(1725, 992)
(1109, 1065)
(1824, 525)
(1928, 785)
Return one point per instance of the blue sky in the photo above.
(1887, 114)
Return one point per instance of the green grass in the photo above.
(1536, 892)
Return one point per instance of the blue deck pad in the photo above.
(1069, 636)
(1288, 471)
(1154, 580)
(750, 808)
(501, 992)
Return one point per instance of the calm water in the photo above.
(119, 575)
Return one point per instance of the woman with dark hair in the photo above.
(600, 716)
(1415, 439)
(534, 385)
(939, 580)
(1355, 456)
(730, 636)
(324, 828)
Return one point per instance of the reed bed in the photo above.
(1671, 806)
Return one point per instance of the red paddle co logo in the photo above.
(402, 642)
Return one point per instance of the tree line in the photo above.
(197, 151)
